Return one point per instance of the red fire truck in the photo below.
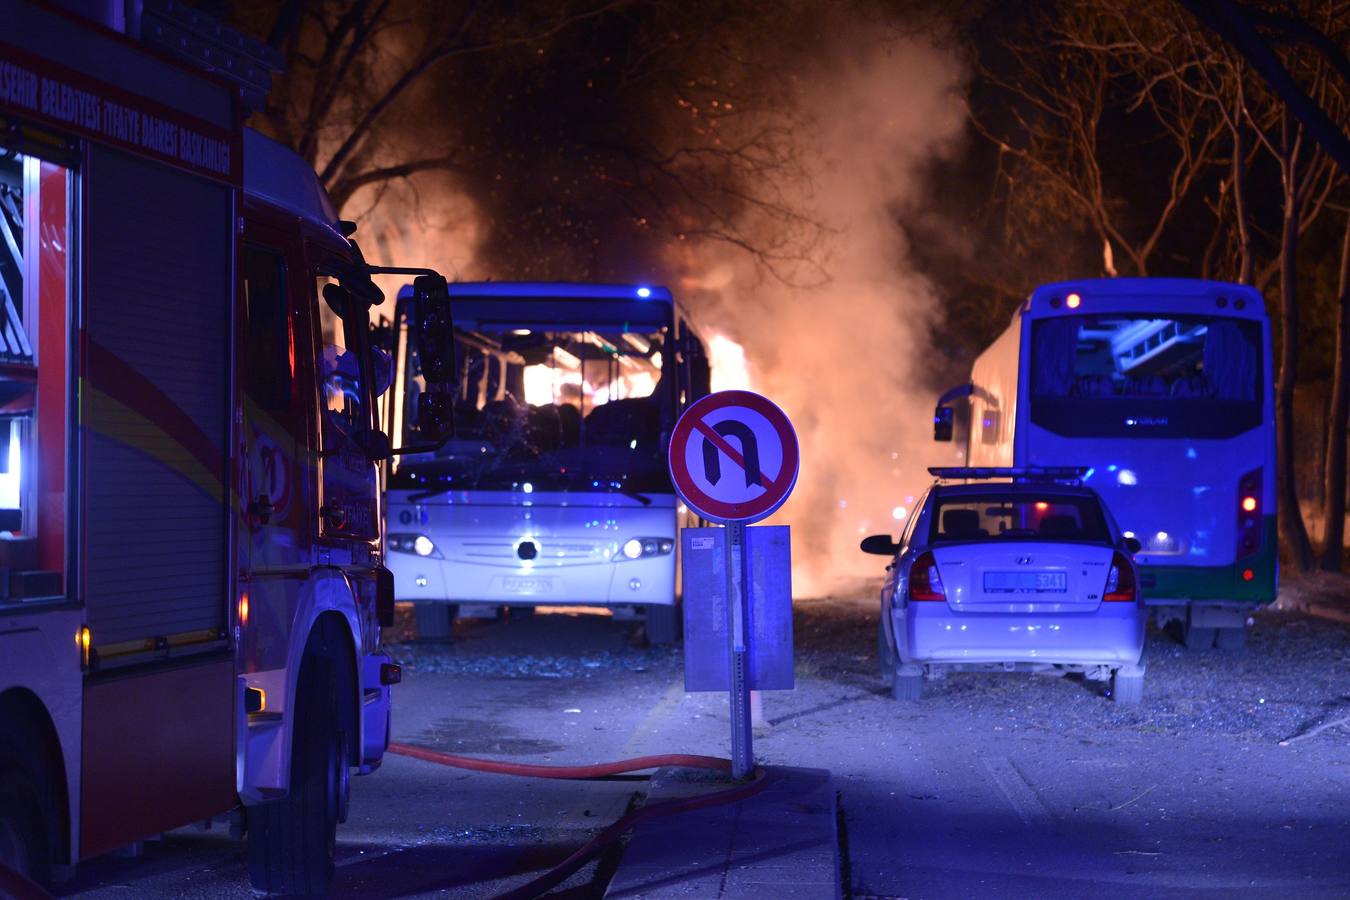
(191, 582)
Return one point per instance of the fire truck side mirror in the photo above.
(435, 415)
(436, 351)
(435, 329)
(942, 423)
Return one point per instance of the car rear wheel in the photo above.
(885, 656)
(908, 684)
(1127, 685)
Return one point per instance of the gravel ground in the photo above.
(1293, 675)
(995, 784)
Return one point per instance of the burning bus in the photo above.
(554, 489)
(1161, 390)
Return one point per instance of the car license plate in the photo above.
(1025, 582)
(526, 584)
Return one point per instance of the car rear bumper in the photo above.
(1113, 634)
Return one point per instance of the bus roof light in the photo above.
(1073, 301)
(644, 292)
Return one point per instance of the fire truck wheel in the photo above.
(23, 831)
(291, 842)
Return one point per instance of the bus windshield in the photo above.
(1146, 375)
(553, 410)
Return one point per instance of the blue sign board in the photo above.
(768, 629)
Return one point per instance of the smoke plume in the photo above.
(849, 357)
(841, 342)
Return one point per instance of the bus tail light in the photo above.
(924, 581)
(1120, 586)
(1249, 513)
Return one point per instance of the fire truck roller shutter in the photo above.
(154, 397)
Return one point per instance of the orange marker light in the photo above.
(243, 608)
(1248, 574)
(1072, 301)
(1249, 504)
(1042, 506)
(84, 642)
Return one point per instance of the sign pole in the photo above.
(742, 749)
(733, 459)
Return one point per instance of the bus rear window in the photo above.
(1144, 375)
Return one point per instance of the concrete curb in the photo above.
(780, 842)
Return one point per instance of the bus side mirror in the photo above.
(1131, 545)
(942, 423)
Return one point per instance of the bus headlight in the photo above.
(641, 547)
(419, 544)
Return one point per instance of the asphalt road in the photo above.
(992, 786)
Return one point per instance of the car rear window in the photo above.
(1021, 517)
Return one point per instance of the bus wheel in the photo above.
(23, 831)
(885, 656)
(1231, 638)
(435, 621)
(663, 624)
(1197, 638)
(292, 842)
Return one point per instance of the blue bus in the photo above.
(1162, 389)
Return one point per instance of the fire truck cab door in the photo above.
(275, 409)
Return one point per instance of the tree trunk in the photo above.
(1292, 529)
(1334, 476)
(1240, 192)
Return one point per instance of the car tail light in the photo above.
(1119, 581)
(1249, 513)
(924, 581)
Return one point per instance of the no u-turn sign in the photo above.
(734, 457)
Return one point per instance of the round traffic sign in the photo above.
(734, 457)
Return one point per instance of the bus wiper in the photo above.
(641, 498)
(427, 495)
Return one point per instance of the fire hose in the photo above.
(565, 869)
(16, 886)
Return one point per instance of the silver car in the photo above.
(1012, 569)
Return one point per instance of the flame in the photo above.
(730, 371)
